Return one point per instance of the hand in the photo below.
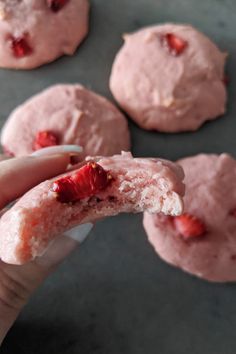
(18, 282)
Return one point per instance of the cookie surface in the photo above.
(175, 82)
(73, 115)
(35, 32)
(210, 200)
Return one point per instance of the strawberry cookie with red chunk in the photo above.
(169, 78)
(202, 241)
(100, 187)
(66, 115)
(36, 32)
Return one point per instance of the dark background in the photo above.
(114, 295)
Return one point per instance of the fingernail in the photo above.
(72, 150)
(79, 233)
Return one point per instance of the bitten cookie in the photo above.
(66, 114)
(169, 78)
(35, 32)
(203, 240)
(100, 187)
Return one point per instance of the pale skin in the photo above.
(17, 283)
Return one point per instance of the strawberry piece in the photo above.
(56, 5)
(20, 47)
(85, 183)
(226, 80)
(175, 44)
(189, 226)
(44, 139)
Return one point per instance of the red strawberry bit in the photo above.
(226, 80)
(189, 226)
(56, 5)
(85, 183)
(20, 46)
(44, 139)
(174, 44)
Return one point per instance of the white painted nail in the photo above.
(59, 149)
(79, 233)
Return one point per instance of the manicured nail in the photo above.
(72, 150)
(79, 233)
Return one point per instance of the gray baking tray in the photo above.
(114, 295)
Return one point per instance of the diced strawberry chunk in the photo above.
(226, 80)
(175, 44)
(189, 226)
(85, 183)
(20, 47)
(57, 5)
(44, 139)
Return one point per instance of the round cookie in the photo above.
(64, 115)
(176, 79)
(35, 32)
(203, 240)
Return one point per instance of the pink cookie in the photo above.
(169, 78)
(71, 114)
(35, 32)
(130, 185)
(202, 241)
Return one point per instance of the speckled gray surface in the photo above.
(114, 295)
